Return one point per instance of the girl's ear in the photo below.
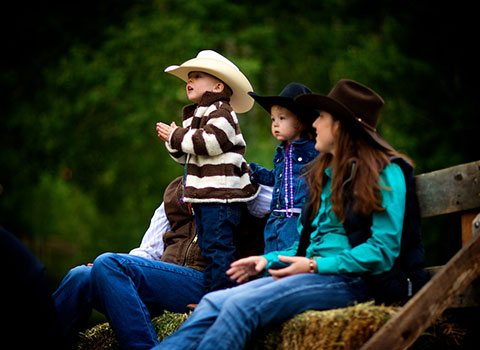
(336, 128)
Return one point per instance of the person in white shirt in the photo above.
(152, 244)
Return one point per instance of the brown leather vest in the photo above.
(181, 246)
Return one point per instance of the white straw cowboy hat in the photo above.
(213, 63)
(354, 103)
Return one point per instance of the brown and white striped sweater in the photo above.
(211, 146)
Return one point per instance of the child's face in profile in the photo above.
(285, 124)
(199, 82)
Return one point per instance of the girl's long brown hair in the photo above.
(356, 166)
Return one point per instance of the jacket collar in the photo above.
(207, 99)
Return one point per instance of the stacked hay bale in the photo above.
(345, 328)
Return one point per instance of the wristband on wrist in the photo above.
(312, 266)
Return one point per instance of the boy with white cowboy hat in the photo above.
(211, 147)
(292, 126)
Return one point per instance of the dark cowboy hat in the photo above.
(286, 99)
(353, 102)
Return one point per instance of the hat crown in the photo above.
(293, 90)
(213, 55)
(363, 103)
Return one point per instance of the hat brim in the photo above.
(240, 101)
(324, 103)
(267, 102)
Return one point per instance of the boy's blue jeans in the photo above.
(216, 224)
(227, 319)
(129, 290)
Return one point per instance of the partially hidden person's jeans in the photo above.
(216, 224)
(280, 232)
(129, 290)
(226, 319)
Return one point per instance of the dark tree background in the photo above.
(81, 169)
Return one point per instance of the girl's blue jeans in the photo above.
(226, 319)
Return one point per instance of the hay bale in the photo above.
(168, 323)
(344, 328)
(101, 336)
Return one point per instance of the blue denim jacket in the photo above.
(280, 231)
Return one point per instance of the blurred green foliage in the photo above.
(81, 168)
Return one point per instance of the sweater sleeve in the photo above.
(176, 155)
(217, 136)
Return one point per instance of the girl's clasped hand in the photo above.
(242, 269)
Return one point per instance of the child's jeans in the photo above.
(216, 224)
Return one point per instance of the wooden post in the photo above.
(428, 304)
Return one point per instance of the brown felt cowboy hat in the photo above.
(352, 101)
(286, 99)
(213, 63)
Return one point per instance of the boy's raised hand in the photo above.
(164, 130)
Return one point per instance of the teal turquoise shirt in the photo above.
(329, 244)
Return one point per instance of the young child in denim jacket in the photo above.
(292, 126)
